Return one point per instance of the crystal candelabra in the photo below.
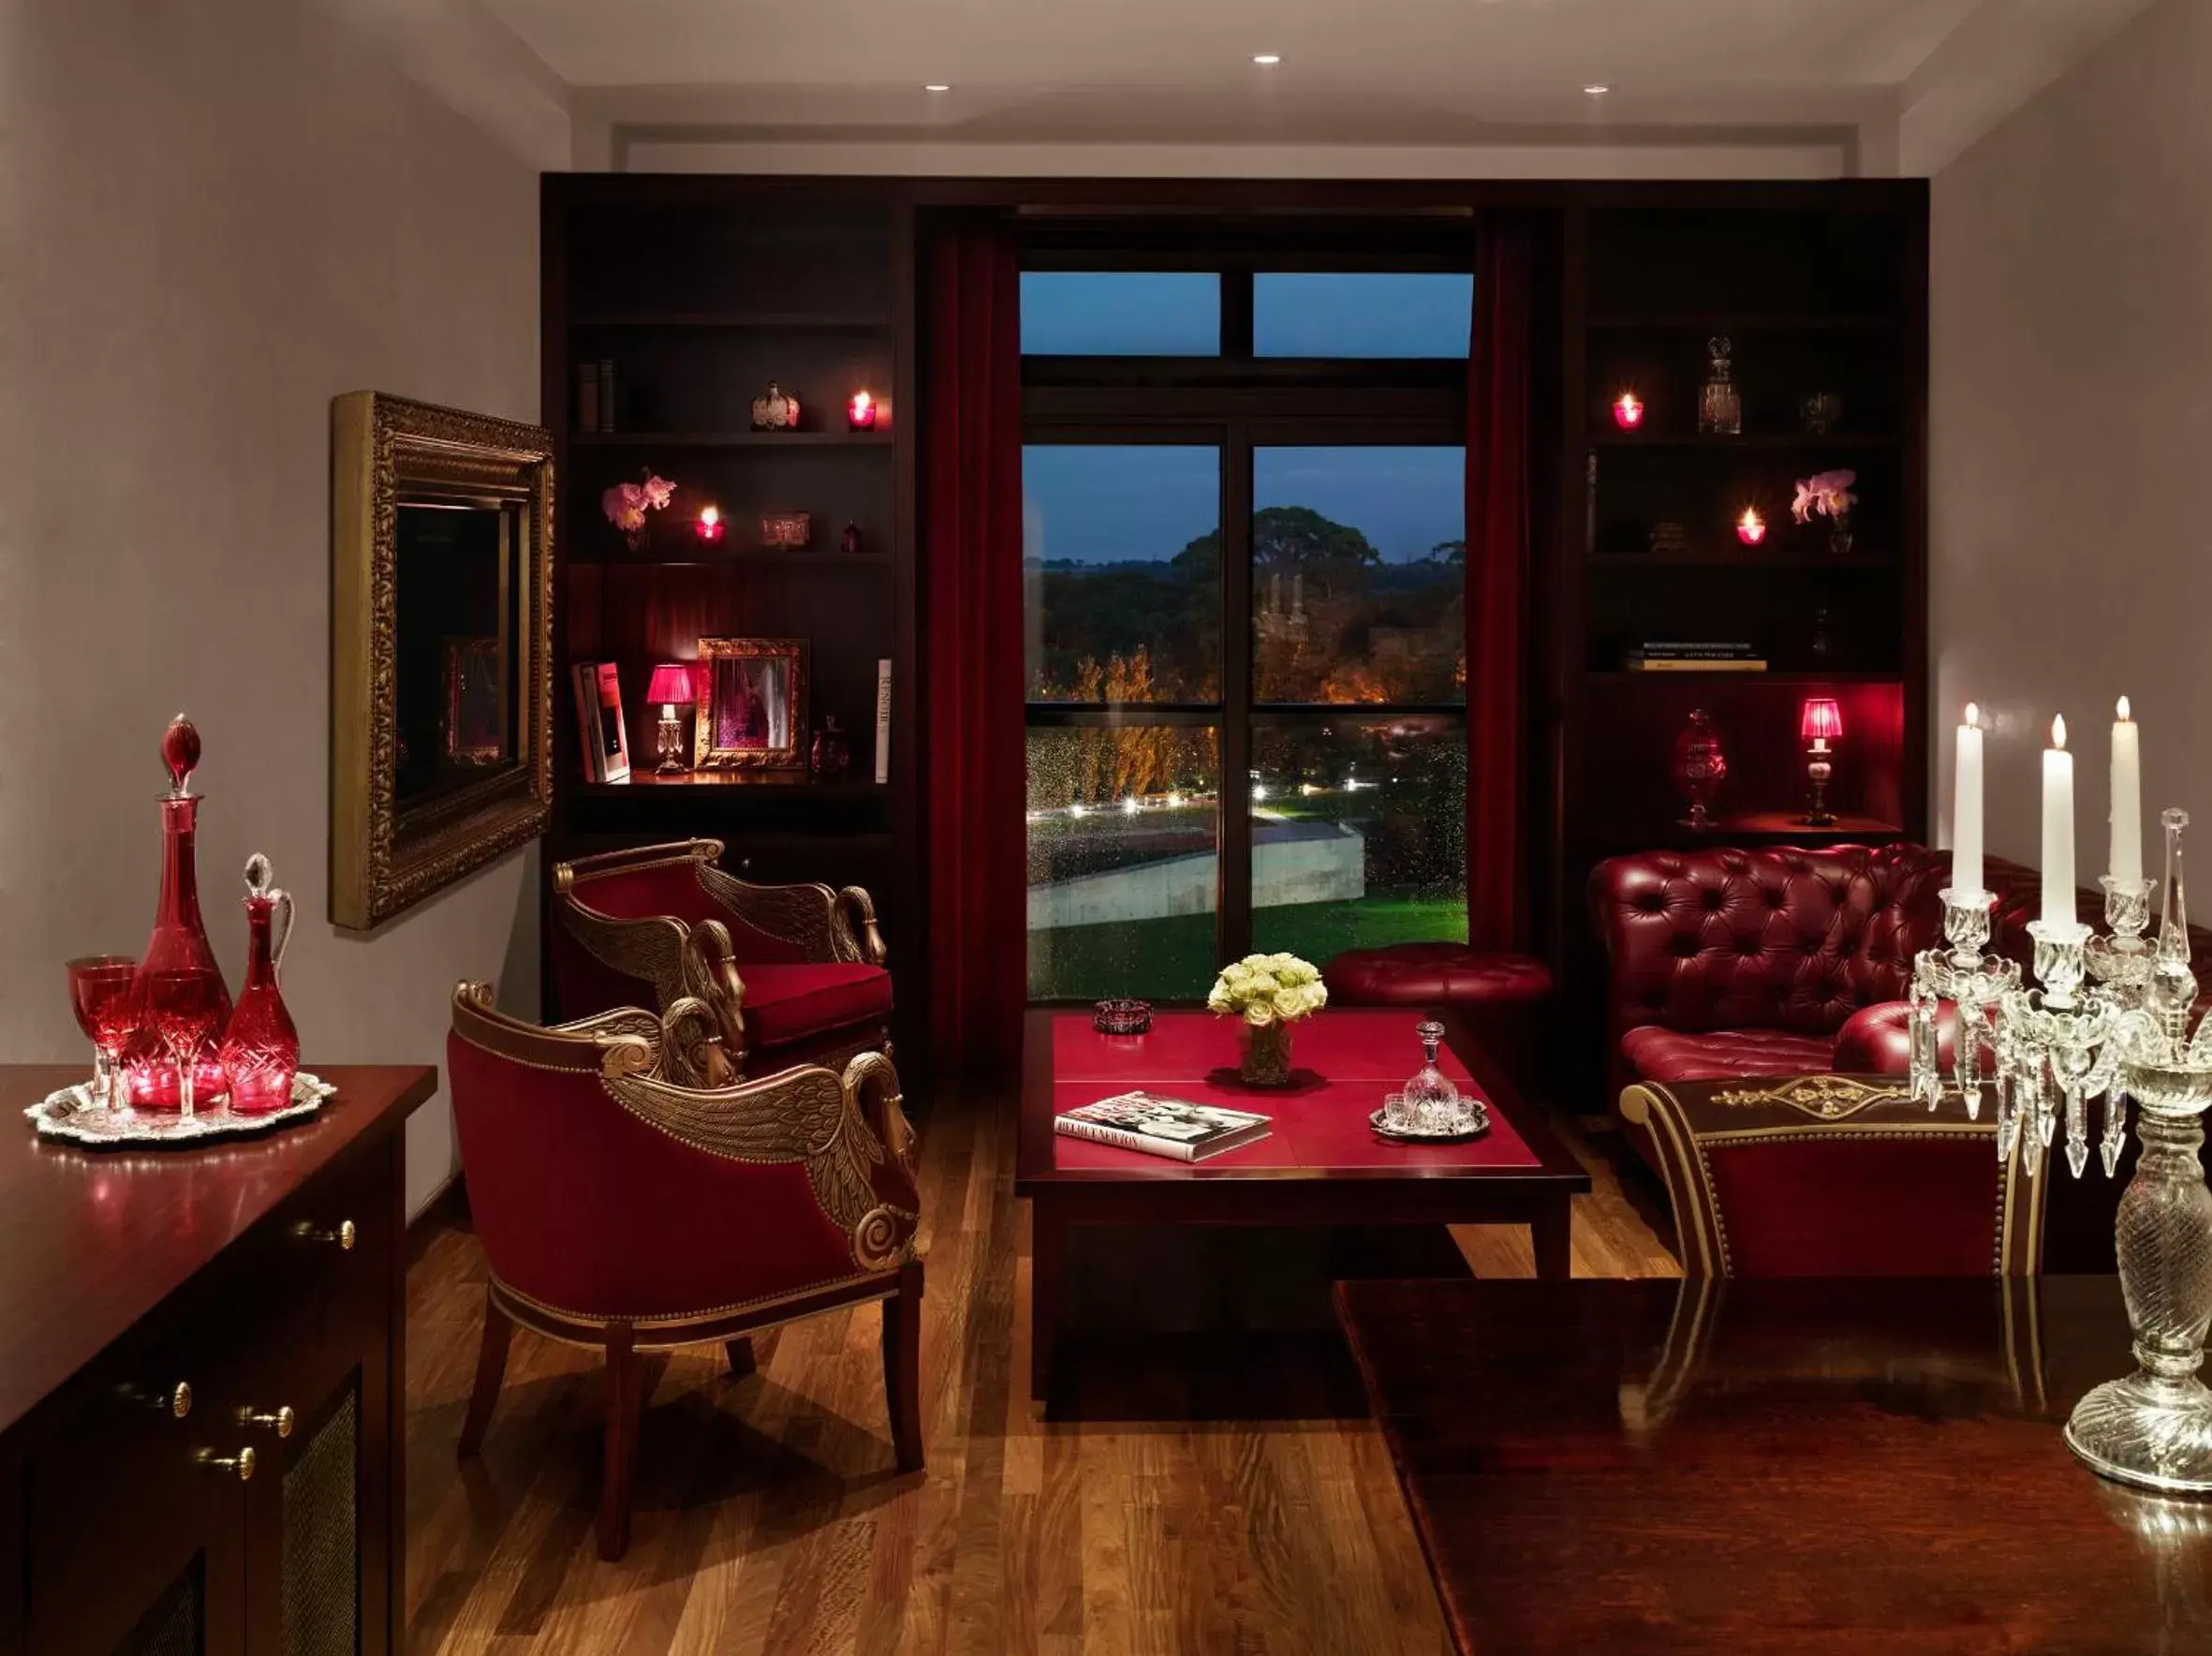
(2154, 1428)
(1974, 981)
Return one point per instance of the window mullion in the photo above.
(1234, 904)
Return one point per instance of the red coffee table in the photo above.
(1322, 1164)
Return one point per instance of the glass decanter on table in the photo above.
(1430, 1105)
(177, 950)
(260, 1051)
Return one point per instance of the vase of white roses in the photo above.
(1267, 994)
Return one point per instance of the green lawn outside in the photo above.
(1174, 958)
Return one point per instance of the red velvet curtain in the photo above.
(974, 753)
(1497, 518)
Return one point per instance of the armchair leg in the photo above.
(740, 1352)
(490, 1373)
(624, 1373)
(902, 1366)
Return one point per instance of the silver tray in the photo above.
(1456, 1136)
(71, 1115)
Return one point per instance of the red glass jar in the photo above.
(260, 1051)
(179, 943)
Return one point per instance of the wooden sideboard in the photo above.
(168, 1315)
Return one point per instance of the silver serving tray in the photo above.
(70, 1115)
(1455, 1136)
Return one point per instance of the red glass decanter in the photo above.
(179, 943)
(261, 1048)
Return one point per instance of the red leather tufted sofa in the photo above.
(1730, 962)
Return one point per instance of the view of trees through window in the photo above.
(1335, 685)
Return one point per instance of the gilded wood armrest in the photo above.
(806, 1116)
(807, 917)
(650, 949)
(855, 919)
(620, 1020)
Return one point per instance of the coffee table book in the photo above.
(1161, 1126)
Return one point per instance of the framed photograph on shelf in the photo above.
(752, 714)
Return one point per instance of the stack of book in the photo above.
(1677, 657)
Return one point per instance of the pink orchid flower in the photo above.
(1828, 493)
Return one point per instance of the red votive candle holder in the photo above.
(1751, 527)
(1628, 410)
(860, 413)
(710, 526)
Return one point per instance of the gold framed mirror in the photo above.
(441, 647)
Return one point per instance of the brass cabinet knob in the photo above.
(345, 1235)
(174, 1401)
(241, 1464)
(280, 1421)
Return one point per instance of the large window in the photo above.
(1246, 585)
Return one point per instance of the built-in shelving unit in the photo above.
(689, 299)
(1817, 293)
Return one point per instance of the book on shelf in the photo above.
(598, 721)
(587, 396)
(1695, 656)
(1695, 664)
(606, 393)
(1161, 1126)
(882, 719)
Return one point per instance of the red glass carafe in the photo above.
(179, 943)
(261, 1048)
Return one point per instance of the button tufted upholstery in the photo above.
(1875, 1040)
(1668, 1054)
(1502, 999)
(1787, 940)
(1434, 974)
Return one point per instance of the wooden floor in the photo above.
(770, 1517)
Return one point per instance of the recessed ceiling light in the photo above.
(1267, 57)
(1597, 89)
(936, 86)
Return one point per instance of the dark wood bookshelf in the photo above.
(879, 439)
(1818, 296)
(771, 322)
(701, 293)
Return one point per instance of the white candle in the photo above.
(1966, 806)
(2125, 865)
(2059, 901)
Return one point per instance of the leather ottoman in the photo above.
(1503, 999)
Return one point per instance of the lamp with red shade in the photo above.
(672, 687)
(1819, 724)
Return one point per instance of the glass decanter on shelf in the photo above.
(1720, 406)
(178, 949)
(260, 1051)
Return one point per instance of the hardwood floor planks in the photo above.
(771, 1518)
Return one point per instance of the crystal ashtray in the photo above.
(1471, 1119)
(70, 1115)
(1122, 1016)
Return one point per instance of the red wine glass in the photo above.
(100, 992)
(185, 1007)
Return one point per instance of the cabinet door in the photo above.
(317, 1390)
(136, 1530)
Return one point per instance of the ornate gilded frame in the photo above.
(384, 861)
(790, 758)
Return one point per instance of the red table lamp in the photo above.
(670, 687)
(1819, 724)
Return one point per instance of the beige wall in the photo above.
(213, 216)
(2071, 430)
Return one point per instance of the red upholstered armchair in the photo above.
(621, 1209)
(796, 972)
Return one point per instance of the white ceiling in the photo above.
(1354, 72)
